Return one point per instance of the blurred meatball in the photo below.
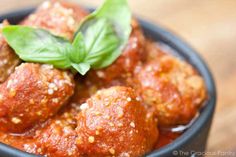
(8, 59)
(172, 87)
(60, 17)
(114, 123)
(31, 94)
(124, 66)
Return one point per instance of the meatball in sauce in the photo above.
(31, 95)
(114, 122)
(171, 86)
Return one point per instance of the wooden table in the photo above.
(210, 27)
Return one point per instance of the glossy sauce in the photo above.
(166, 137)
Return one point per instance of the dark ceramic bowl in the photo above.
(193, 142)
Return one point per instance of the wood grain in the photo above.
(210, 27)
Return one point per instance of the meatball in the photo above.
(123, 67)
(172, 87)
(113, 122)
(58, 138)
(31, 94)
(60, 17)
(8, 59)
(55, 138)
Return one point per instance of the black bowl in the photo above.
(193, 141)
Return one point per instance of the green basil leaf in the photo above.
(101, 41)
(78, 53)
(38, 45)
(82, 68)
(106, 31)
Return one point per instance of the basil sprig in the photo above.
(98, 42)
(106, 31)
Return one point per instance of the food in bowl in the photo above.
(130, 103)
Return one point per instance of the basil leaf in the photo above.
(82, 68)
(38, 45)
(101, 41)
(79, 52)
(106, 31)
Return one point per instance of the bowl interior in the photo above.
(182, 49)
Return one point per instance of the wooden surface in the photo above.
(210, 27)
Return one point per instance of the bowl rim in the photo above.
(184, 50)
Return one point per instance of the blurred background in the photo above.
(210, 27)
